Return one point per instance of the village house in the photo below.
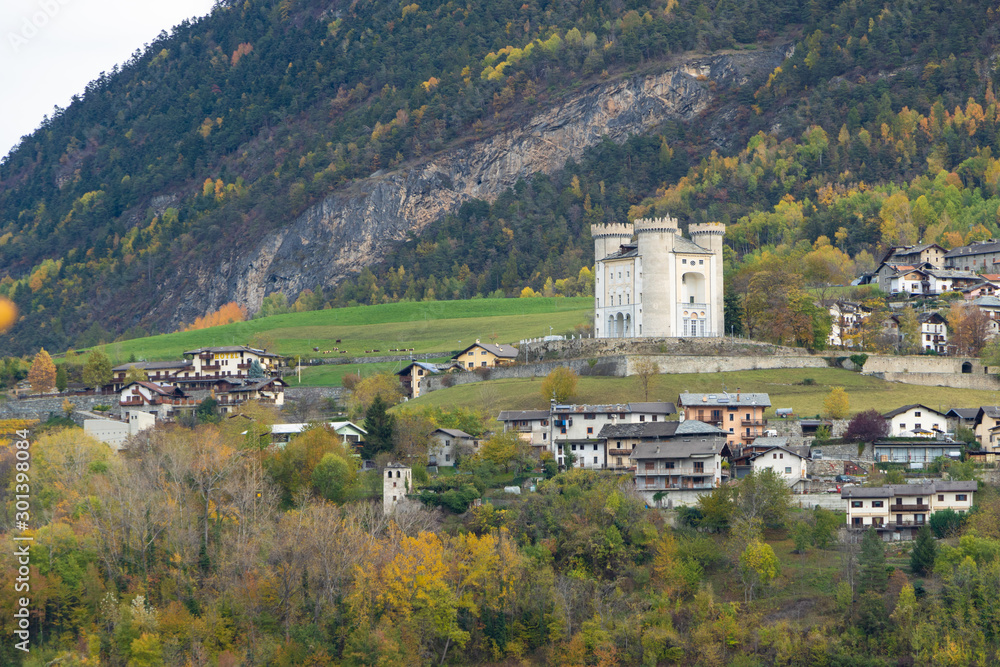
(485, 355)
(898, 511)
(413, 375)
(987, 427)
(961, 418)
(396, 483)
(683, 467)
(916, 454)
(114, 432)
(446, 444)
(269, 390)
(160, 400)
(741, 414)
(985, 287)
(982, 256)
(574, 429)
(790, 464)
(231, 361)
(846, 320)
(351, 435)
(933, 332)
(156, 371)
(915, 421)
(930, 254)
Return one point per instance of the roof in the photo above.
(653, 407)
(923, 442)
(770, 441)
(455, 433)
(906, 408)
(639, 430)
(930, 317)
(962, 413)
(784, 449)
(925, 489)
(982, 248)
(624, 251)
(278, 429)
(991, 411)
(502, 351)
(257, 386)
(231, 348)
(687, 246)
(522, 415)
(153, 365)
(695, 427)
(724, 398)
(162, 390)
(953, 273)
(678, 448)
(430, 368)
(987, 302)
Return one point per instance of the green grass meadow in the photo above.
(437, 326)
(786, 387)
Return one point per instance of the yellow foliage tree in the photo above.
(837, 404)
(42, 376)
(560, 384)
(227, 314)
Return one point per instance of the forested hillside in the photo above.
(234, 125)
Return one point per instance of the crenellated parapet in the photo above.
(665, 225)
(707, 228)
(612, 230)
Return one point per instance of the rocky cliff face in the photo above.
(351, 229)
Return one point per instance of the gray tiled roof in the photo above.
(687, 246)
(975, 249)
(694, 446)
(743, 399)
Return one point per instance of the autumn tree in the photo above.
(386, 385)
(909, 331)
(758, 567)
(97, 370)
(837, 403)
(559, 384)
(135, 374)
(646, 369)
(866, 426)
(42, 375)
(968, 329)
(226, 314)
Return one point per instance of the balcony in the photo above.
(211, 367)
(672, 487)
(619, 452)
(909, 509)
(753, 422)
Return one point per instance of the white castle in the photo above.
(662, 285)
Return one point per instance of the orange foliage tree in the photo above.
(231, 312)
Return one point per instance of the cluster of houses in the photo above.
(926, 270)
(232, 375)
(476, 356)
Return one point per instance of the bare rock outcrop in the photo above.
(353, 227)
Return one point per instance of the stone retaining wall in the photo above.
(884, 363)
(605, 366)
(723, 364)
(41, 408)
(955, 380)
(322, 361)
(583, 348)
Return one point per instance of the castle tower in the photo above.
(608, 239)
(397, 481)
(658, 305)
(709, 235)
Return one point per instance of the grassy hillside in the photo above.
(444, 326)
(785, 387)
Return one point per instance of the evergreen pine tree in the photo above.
(872, 563)
(255, 370)
(379, 425)
(62, 378)
(924, 552)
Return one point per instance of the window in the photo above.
(701, 261)
(642, 418)
(699, 466)
(544, 436)
(595, 459)
(788, 470)
(669, 465)
(916, 426)
(447, 457)
(684, 261)
(590, 430)
(856, 521)
(916, 413)
(781, 456)
(961, 496)
(876, 503)
(730, 416)
(588, 415)
(902, 427)
(774, 456)
(654, 418)
(595, 448)
(857, 503)
(941, 497)
(483, 353)
(483, 364)
(877, 520)
(573, 447)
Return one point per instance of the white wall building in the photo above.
(445, 444)
(397, 481)
(898, 511)
(915, 421)
(663, 285)
(115, 432)
(787, 464)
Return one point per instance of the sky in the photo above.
(51, 49)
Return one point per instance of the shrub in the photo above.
(866, 426)
(859, 359)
